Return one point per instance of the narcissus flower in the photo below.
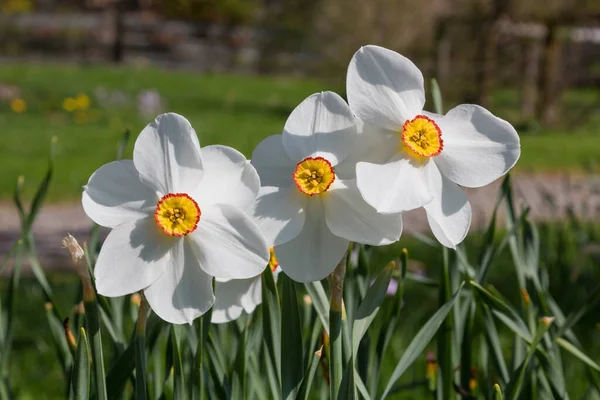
(309, 207)
(423, 157)
(177, 220)
(236, 295)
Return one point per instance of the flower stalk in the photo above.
(91, 313)
(336, 280)
(140, 349)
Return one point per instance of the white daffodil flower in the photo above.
(309, 207)
(236, 295)
(176, 219)
(423, 157)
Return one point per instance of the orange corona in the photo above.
(313, 175)
(177, 214)
(422, 136)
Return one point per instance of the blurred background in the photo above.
(87, 71)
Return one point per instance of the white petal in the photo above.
(231, 298)
(321, 126)
(279, 213)
(115, 194)
(449, 214)
(396, 186)
(272, 162)
(350, 217)
(384, 88)
(228, 243)
(167, 155)
(133, 256)
(374, 145)
(478, 147)
(228, 178)
(184, 292)
(253, 296)
(315, 252)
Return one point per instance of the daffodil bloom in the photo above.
(177, 220)
(423, 157)
(309, 207)
(232, 296)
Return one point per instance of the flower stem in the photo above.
(140, 350)
(336, 280)
(445, 333)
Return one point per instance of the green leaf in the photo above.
(140, 351)
(503, 311)
(420, 341)
(58, 338)
(202, 326)
(40, 195)
(513, 388)
(124, 365)
(436, 94)
(370, 305)
(292, 369)
(319, 300)
(347, 389)
(81, 368)
(93, 329)
(577, 353)
(304, 391)
(493, 341)
(272, 320)
(179, 391)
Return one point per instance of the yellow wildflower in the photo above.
(18, 105)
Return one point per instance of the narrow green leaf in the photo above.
(420, 341)
(272, 320)
(370, 305)
(58, 338)
(304, 391)
(493, 341)
(124, 365)
(577, 353)
(517, 380)
(503, 311)
(179, 391)
(140, 351)
(40, 195)
(467, 347)
(444, 336)
(240, 370)
(202, 325)
(319, 300)
(81, 369)
(292, 369)
(436, 94)
(93, 329)
(11, 301)
(347, 389)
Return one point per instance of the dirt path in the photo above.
(538, 191)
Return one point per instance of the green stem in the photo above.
(140, 350)
(335, 328)
(198, 376)
(445, 333)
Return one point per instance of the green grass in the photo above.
(238, 111)
(232, 110)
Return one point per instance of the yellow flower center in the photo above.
(273, 263)
(422, 136)
(313, 175)
(177, 214)
(18, 105)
